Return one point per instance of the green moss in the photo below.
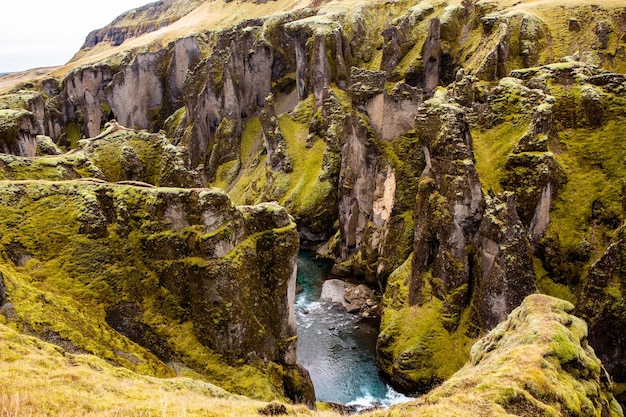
(301, 191)
(174, 122)
(72, 134)
(492, 148)
(246, 189)
(546, 285)
(594, 166)
(424, 352)
(67, 278)
(226, 174)
(536, 363)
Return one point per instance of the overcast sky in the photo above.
(42, 33)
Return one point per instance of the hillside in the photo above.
(458, 157)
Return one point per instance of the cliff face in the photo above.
(458, 156)
(140, 20)
(146, 276)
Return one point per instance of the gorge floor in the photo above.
(337, 348)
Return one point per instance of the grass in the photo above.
(492, 148)
(40, 379)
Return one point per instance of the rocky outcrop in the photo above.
(602, 305)
(449, 204)
(520, 111)
(135, 94)
(230, 84)
(356, 180)
(139, 21)
(81, 97)
(116, 154)
(471, 265)
(31, 101)
(198, 261)
(317, 39)
(431, 53)
(506, 272)
(354, 298)
(537, 362)
(275, 146)
(18, 132)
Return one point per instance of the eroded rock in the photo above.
(228, 272)
(537, 362)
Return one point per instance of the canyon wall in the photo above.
(458, 157)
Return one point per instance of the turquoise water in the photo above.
(338, 350)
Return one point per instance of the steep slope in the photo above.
(64, 383)
(560, 376)
(156, 279)
(536, 363)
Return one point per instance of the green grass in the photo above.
(594, 163)
(492, 148)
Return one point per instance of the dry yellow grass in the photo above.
(9, 80)
(218, 14)
(40, 379)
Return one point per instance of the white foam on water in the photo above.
(368, 400)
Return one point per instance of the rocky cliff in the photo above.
(156, 279)
(457, 156)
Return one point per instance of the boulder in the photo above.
(334, 290)
(354, 298)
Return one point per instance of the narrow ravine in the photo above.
(338, 350)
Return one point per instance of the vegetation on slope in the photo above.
(548, 128)
(107, 260)
(536, 363)
(42, 379)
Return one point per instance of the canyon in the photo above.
(463, 159)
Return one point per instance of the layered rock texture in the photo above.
(146, 277)
(456, 156)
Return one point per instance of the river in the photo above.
(338, 350)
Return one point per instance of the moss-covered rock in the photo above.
(18, 132)
(504, 263)
(184, 274)
(537, 362)
(601, 302)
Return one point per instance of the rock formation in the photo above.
(459, 156)
(157, 261)
(537, 362)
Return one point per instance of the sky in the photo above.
(43, 33)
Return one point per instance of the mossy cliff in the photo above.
(538, 362)
(457, 155)
(156, 279)
(471, 262)
(116, 154)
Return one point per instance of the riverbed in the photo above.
(337, 348)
